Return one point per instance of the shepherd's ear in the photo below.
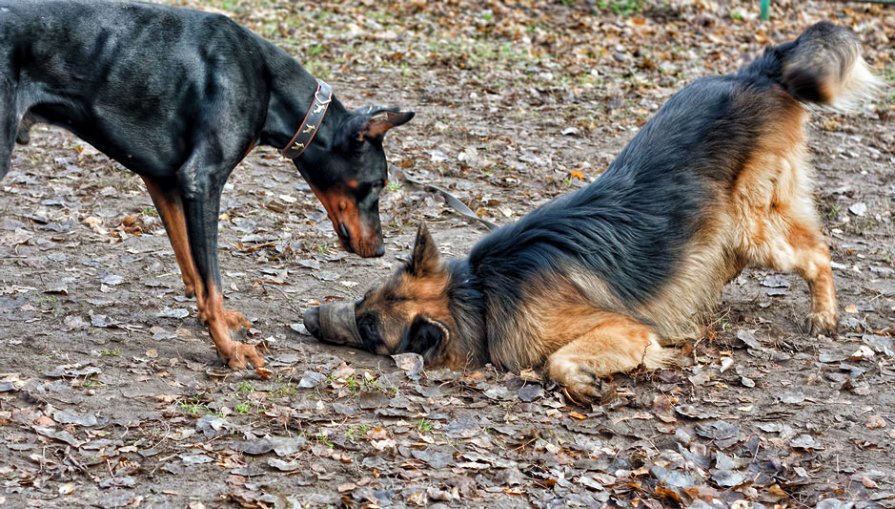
(424, 336)
(378, 120)
(425, 259)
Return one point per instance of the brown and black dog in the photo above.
(596, 281)
(180, 97)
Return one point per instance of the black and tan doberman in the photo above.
(180, 97)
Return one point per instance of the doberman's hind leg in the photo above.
(8, 120)
(166, 198)
(23, 133)
(617, 344)
(201, 186)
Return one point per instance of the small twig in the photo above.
(451, 200)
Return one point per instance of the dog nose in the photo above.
(312, 321)
(344, 234)
(380, 250)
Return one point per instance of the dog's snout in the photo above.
(380, 250)
(312, 321)
(344, 233)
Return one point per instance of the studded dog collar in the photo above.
(311, 123)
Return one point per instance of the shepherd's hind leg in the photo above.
(795, 244)
(617, 344)
(809, 257)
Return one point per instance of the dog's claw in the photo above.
(237, 320)
(822, 323)
(243, 355)
(580, 382)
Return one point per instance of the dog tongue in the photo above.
(338, 325)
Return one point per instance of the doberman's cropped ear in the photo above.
(378, 121)
(423, 337)
(425, 259)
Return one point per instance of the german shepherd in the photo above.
(597, 281)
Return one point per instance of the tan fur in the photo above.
(404, 298)
(557, 314)
(210, 301)
(341, 208)
(616, 344)
(767, 219)
(776, 224)
(570, 322)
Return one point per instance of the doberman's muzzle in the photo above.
(334, 323)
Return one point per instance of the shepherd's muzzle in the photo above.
(333, 323)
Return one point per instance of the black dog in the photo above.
(180, 97)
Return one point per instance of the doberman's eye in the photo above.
(369, 190)
(364, 190)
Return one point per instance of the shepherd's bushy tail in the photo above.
(823, 66)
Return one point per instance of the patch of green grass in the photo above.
(47, 299)
(284, 391)
(244, 388)
(193, 406)
(225, 5)
(323, 439)
(243, 408)
(621, 7)
(315, 50)
(353, 384)
(393, 185)
(110, 353)
(149, 211)
(424, 425)
(534, 27)
(357, 432)
(380, 15)
(834, 211)
(90, 383)
(320, 69)
(889, 75)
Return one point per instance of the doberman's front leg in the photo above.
(201, 193)
(166, 197)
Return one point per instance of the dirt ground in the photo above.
(111, 394)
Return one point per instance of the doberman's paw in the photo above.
(822, 323)
(237, 320)
(242, 355)
(234, 319)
